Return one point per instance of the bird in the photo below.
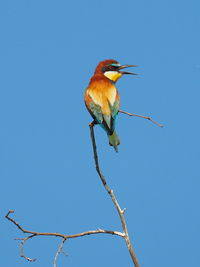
(102, 99)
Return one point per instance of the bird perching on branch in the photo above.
(102, 98)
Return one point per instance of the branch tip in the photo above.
(9, 212)
(28, 259)
(124, 210)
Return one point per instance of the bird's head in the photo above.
(112, 69)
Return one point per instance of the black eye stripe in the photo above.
(109, 68)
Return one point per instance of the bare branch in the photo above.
(114, 200)
(98, 231)
(141, 116)
(63, 236)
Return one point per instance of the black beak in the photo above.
(127, 66)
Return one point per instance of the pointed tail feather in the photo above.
(114, 140)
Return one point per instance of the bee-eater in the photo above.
(102, 98)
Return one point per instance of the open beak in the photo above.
(127, 72)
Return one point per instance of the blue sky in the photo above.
(48, 52)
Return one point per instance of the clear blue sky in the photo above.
(48, 52)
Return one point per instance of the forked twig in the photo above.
(63, 236)
(141, 116)
(114, 200)
(58, 251)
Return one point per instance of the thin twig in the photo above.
(22, 248)
(111, 193)
(59, 250)
(141, 116)
(64, 253)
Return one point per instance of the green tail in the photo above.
(114, 140)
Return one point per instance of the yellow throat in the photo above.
(113, 75)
